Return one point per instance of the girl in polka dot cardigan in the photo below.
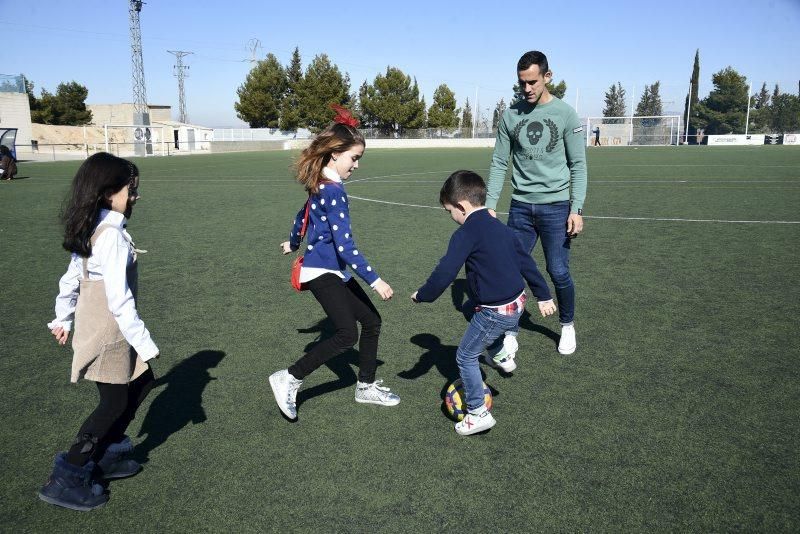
(330, 249)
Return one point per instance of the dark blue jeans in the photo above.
(548, 222)
(485, 330)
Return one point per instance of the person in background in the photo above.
(8, 165)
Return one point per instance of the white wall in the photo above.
(411, 143)
(123, 113)
(728, 140)
(791, 139)
(15, 112)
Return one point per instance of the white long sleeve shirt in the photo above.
(109, 261)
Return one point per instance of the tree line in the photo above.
(723, 111)
(274, 96)
(286, 97)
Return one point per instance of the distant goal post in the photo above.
(124, 140)
(660, 130)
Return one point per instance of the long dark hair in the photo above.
(100, 176)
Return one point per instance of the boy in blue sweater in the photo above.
(497, 268)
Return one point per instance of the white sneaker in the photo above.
(375, 393)
(474, 423)
(505, 358)
(284, 388)
(511, 345)
(567, 343)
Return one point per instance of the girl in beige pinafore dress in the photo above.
(101, 352)
(111, 345)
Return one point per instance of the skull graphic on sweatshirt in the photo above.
(534, 132)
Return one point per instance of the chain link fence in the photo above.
(429, 133)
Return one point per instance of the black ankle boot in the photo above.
(72, 487)
(115, 462)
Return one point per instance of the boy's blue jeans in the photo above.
(486, 329)
(548, 222)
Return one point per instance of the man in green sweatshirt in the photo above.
(545, 140)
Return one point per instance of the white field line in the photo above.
(689, 165)
(618, 218)
(287, 179)
(372, 179)
(593, 182)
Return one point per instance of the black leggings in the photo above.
(108, 422)
(345, 303)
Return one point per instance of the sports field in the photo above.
(680, 410)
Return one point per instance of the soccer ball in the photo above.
(456, 400)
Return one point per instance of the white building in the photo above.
(15, 110)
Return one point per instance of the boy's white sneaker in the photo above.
(506, 364)
(375, 393)
(284, 388)
(510, 345)
(567, 343)
(474, 423)
(505, 358)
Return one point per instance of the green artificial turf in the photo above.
(678, 412)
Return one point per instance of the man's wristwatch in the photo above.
(580, 212)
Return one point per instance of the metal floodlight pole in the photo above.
(180, 73)
(633, 99)
(475, 115)
(139, 90)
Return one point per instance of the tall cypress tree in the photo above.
(691, 100)
(290, 109)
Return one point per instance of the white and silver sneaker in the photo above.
(505, 357)
(284, 388)
(567, 343)
(475, 422)
(375, 393)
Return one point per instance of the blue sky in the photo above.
(470, 46)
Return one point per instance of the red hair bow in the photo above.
(343, 116)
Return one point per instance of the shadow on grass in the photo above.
(341, 365)
(460, 297)
(462, 304)
(443, 357)
(179, 403)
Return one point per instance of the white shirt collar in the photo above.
(473, 211)
(111, 217)
(331, 174)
